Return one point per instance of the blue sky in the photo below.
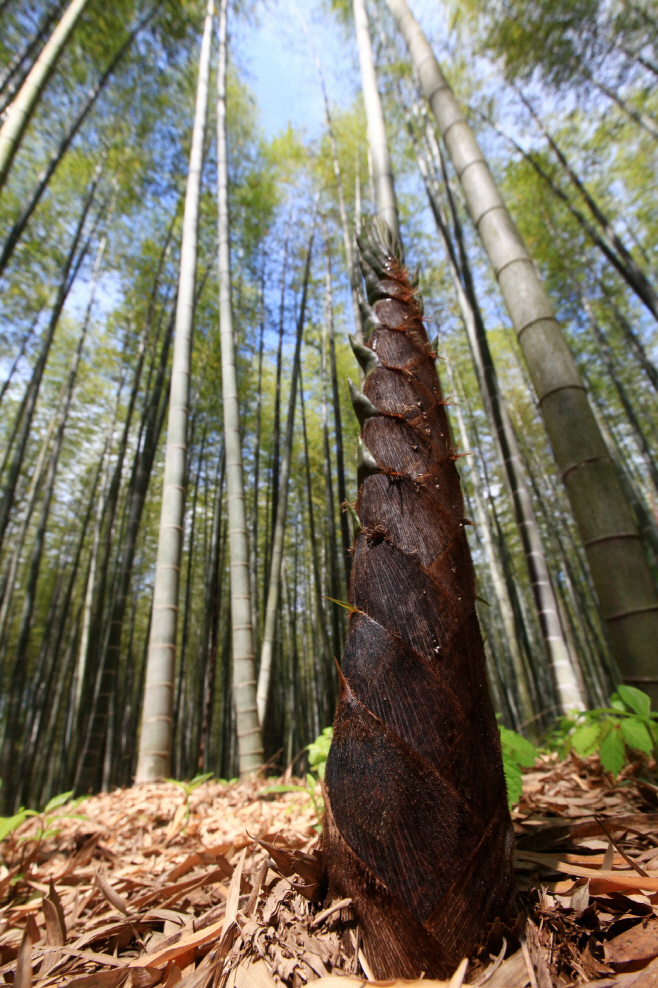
(280, 68)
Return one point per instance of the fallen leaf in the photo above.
(648, 978)
(184, 948)
(32, 930)
(100, 979)
(144, 978)
(173, 978)
(233, 895)
(310, 867)
(23, 978)
(110, 894)
(171, 892)
(252, 973)
(512, 973)
(55, 934)
(177, 821)
(625, 879)
(634, 948)
(349, 981)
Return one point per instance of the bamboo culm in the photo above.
(274, 586)
(70, 271)
(346, 538)
(622, 577)
(502, 595)
(156, 734)
(89, 764)
(56, 157)
(507, 447)
(377, 139)
(13, 735)
(248, 725)
(26, 100)
(16, 67)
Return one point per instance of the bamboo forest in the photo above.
(238, 242)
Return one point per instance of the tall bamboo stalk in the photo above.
(253, 549)
(557, 652)
(50, 670)
(640, 282)
(23, 106)
(609, 245)
(321, 625)
(155, 737)
(276, 428)
(70, 271)
(12, 735)
(106, 677)
(16, 66)
(250, 744)
(503, 601)
(274, 586)
(90, 585)
(346, 538)
(348, 239)
(631, 415)
(211, 604)
(621, 574)
(182, 661)
(19, 356)
(632, 338)
(331, 541)
(377, 141)
(56, 157)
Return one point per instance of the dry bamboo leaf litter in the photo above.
(139, 894)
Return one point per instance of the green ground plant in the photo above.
(188, 788)
(48, 821)
(615, 733)
(317, 753)
(47, 828)
(518, 753)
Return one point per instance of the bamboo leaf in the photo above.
(342, 603)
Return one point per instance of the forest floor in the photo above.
(136, 891)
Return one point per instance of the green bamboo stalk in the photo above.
(621, 574)
(34, 197)
(23, 106)
(274, 586)
(155, 737)
(328, 324)
(377, 140)
(250, 744)
(502, 596)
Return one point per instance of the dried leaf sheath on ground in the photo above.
(418, 832)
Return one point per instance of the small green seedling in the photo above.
(317, 757)
(318, 751)
(188, 788)
(46, 829)
(309, 789)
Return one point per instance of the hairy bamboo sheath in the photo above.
(417, 831)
